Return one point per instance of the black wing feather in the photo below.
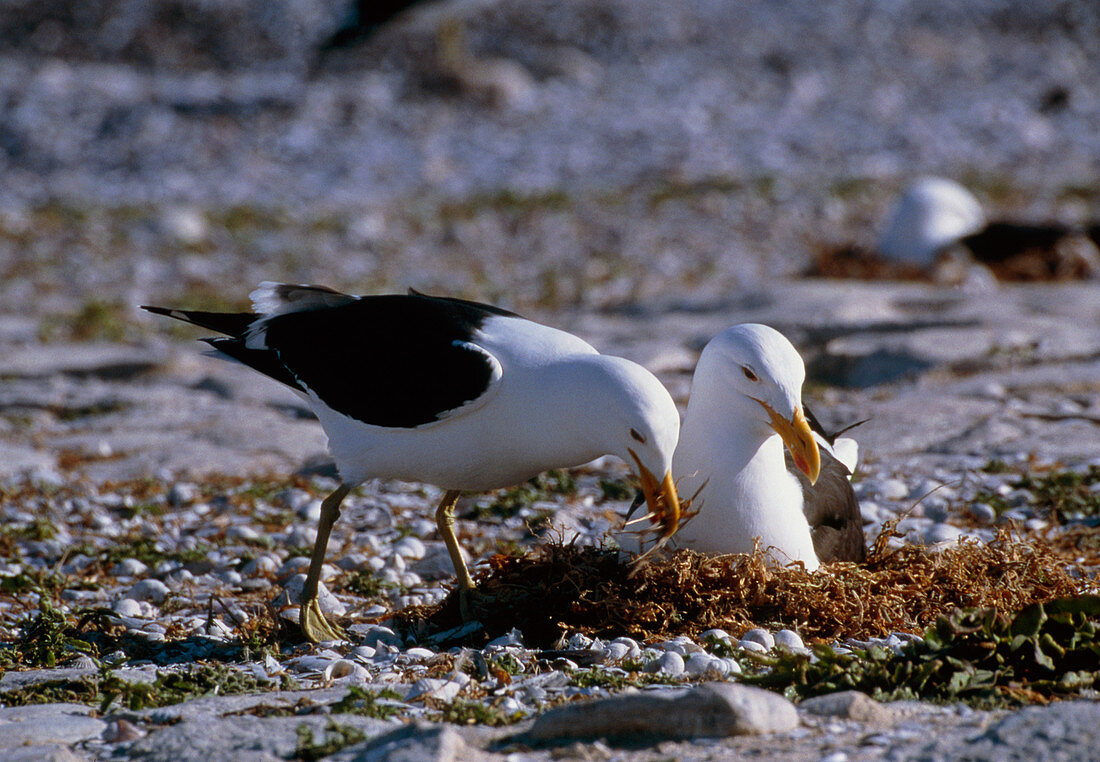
(395, 360)
(229, 323)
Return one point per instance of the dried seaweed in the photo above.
(559, 589)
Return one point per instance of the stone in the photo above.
(41, 753)
(215, 738)
(849, 705)
(709, 710)
(669, 663)
(761, 636)
(752, 645)
(409, 548)
(701, 663)
(1067, 731)
(151, 590)
(129, 567)
(433, 688)
(127, 607)
(48, 723)
(292, 593)
(894, 489)
(789, 640)
(416, 742)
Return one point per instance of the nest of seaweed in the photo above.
(561, 588)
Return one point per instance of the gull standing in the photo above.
(454, 393)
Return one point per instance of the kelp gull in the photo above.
(745, 405)
(454, 393)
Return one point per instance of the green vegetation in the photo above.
(511, 501)
(1065, 495)
(368, 585)
(107, 688)
(977, 656)
(473, 712)
(365, 703)
(1062, 495)
(613, 489)
(47, 638)
(630, 676)
(337, 737)
(504, 201)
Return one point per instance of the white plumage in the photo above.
(745, 405)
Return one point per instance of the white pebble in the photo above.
(152, 590)
(129, 567)
(669, 663)
(127, 607)
(309, 510)
(894, 489)
(366, 653)
(347, 671)
(301, 537)
(788, 640)
(733, 667)
(615, 652)
(420, 653)
(942, 533)
(633, 649)
(761, 636)
(294, 565)
(701, 663)
(410, 548)
(260, 566)
(752, 645)
(579, 642)
(511, 638)
(242, 534)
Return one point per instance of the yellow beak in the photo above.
(661, 498)
(798, 438)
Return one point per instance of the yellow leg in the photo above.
(445, 520)
(314, 625)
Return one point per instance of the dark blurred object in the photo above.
(860, 263)
(1016, 252)
(192, 34)
(1054, 99)
(364, 16)
(1012, 252)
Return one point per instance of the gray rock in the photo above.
(40, 753)
(417, 742)
(231, 738)
(1063, 732)
(48, 724)
(710, 710)
(849, 705)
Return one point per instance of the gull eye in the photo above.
(637, 436)
(749, 374)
